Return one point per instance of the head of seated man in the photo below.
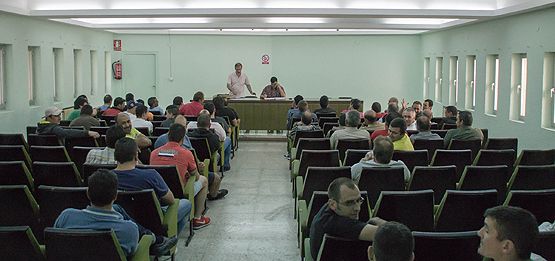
(296, 100)
(509, 233)
(306, 118)
(423, 123)
(393, 242)
(397, 129)
(428, 104)
(464, 119)
(87, 110)
(409, 114)
(370, 117)
(113, 134)
(302, 105)
(355, 104)
(376, 107)
(450, 112)
(383, 149)
(172, 111)
(417, 106)
(103, 188)
(344, 198)
(352, 119)
(324, 101)
(123, 120)
(203, 120)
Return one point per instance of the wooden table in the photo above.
(257, 114)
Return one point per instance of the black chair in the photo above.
(544, 245)
(430, 145)
(540, 202)
(43, 140)
(328, 126)
(81, 142)
(15, 153)
(63, 174)
(203, 152)
(309, 144)
(415, 209)
(143, 130)
(359, 144)
(353, 156)
(171, 176)
(190, 118)
(15, 173)
(159, 118)
(19, 207)
(375, 180)
(324, 120)
(412, 158)
(53, 200)
(100, 129)
(437, 178)
(109, 119)
(306, 134)
(474, 145)
(495, 157)
(337, 249)
(49, 154)
(452, 246)
(536, 157)
(13, 139)
(158, 131)
(532, 177)
(485, 177)
(441, 133)
(459, 158)
(30, 130)
(89, 169)
(463, 210)
(502, 144)
(156, 124)
(156, 112)
(19, 243)
(313, 158)
(79, 155)
(448, 126)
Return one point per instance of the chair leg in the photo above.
(190, 237)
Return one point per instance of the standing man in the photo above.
(236, 82)
(273, 90)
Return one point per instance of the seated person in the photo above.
(417, 107)
(194, 107)
(119, 106)
(177, 101)
(86, 118)
(124, 121)
(351, 131)
(342, 118)
(171, 112)
(356, 105)
(220, 132)
(77, 105)
(132, 179)
(106, 105)
(393, 241)
(388, 119)
(380, 157)
(103, 214)
(154, 106)
(106, 155)
(304, 125)
(324, 102)
(140, 121)
(398, 134)
(509, 233)
(409, 114)
(274, 89)
(423, 125)
(377, 108)
(223, 111)
(149, 116)
(371, 121)
(464, 130)
(294, 112)
(450, 115)
(51, 125)
(172, 153)
(163, 139)
(339, 216)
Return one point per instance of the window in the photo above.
(426, 77)
(492, 84)
(2, 76)
(58, 72)
(107, 72)
(94, 72)
(548, 99)
(519, 80)
(77, 72)
(32, 73)
(439, 78)
(453, 80)
(470, 101)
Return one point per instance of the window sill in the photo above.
(491, 115)
(518, 121)
(552, 129)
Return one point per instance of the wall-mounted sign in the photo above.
(265, 59)
(117, 45)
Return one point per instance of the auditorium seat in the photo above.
(89, 169)
(412, 158)
(536, 157)
(315, 158)
(324, 120)
(415, 209)
(19, 243)
(463, 210)
(437, 178)
(100, 129)
(325, 114)
(485, 177)
(345, 144)
(43, 140)
(203, 152)
(49, 154)
(501, 144)
(452, 246)
(308, 144)
(430, 145)
(19, 207)
(336, 248)
(13, 139)
(158, 131)
(495, 157)
(328, 126)
(473, 145)
(80, 141)
(376, 180)
(79, 155)
(16, 173)
(532, 177)
(441, 133)
(53, 200)
(540, 202)
(353, 156)
(459, 158)
(15, 153)
(63, 174)
(544, 245)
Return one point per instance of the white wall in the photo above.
(19, 33)
(532, 33)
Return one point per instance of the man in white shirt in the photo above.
(140, 120)
(218, 129)
(410, 118)
(236, 82)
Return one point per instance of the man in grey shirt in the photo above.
(351, 132)
(423, 125)
(379, 157)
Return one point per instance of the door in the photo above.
(139, 75)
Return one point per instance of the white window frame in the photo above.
(107, 72)
(439, 79)
(77, 72)
(548, 99)
(57, 72)
(470, 97)
(453, 80)
(519, 82)
(32, 53)
(94, 71)
(2, 77)
(426, 77)
(492, 84)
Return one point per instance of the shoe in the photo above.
(221, 194)
(226, 168)
(200, 222)
(163, 248)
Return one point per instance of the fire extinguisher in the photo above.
(116, 70)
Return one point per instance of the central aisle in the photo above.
(255, 220)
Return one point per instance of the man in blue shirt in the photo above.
(103, 214)
(163, 139)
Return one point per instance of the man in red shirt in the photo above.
(119, 105)
(193, 108)
(172, 153)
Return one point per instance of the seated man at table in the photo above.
(273, 90)
(380, 157)
(350, 132)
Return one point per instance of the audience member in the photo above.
(324, 102)
(356, 105)
(140, 120)
(131, 178)
(371, 121)
(464, 130)
(194, 107)
(509, 233)
(103, 214)
(409, 114)
(398, 134)
(129, 97)
(154, 106)
(218, 129)
(131, 109)
(78, 104)
(163, 139)
(149, 116)
(201, 129)
(377, 108)
(380, 157)
(385, 132)
(294, 112)
(107, 103)
(86, 118)
(223, 111)
(51, 125)
(351, 131)
(172, 111)
(428, 104)
(342, 118)
(274, 89)
(417, 107)
(304, 125)
(124, 121)
(177, 101)
(423, 125)
(393, 242)
(119, 105)
(211, 108)
(339, 216)
(106, 155)
(172, 153)
(450, 115)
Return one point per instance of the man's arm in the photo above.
(369, 231)
(281, 90)
(167, 199)
(250, 89)
(143, 141)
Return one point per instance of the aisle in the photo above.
(255, 221)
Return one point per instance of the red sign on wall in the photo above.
(265, 59)
(117, 45)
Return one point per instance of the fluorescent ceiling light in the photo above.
(301, 4)
(295, 20)
(433, 21)
(312, 30)
(194, 30)
(236, 30)
(201, 4)
(165, 20)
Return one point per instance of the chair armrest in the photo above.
(295, 169)
(43, 249)
(299, 185)
(222, 151)
(307, 254)
(143, 249)
(170, 218)
(293, 154)
(303, 214)
(189, 192)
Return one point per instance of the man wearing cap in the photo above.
(131, 110)
(51, 125)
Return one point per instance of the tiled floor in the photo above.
(255, 221)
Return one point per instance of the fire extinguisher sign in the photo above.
(117, 45)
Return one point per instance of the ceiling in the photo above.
(270, 17)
